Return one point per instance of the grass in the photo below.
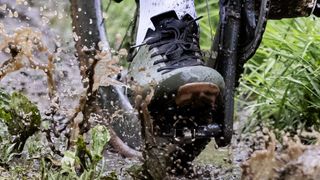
(282, 81)
(118, 17)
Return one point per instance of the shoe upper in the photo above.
(170, 56)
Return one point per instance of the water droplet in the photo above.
(10, 14)
(3, 7)
(15, 14)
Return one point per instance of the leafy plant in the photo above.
(100, 137)
(6, 154)
(88, 158)
(21, 117)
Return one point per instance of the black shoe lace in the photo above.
(178, 43)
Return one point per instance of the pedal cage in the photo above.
(187, 135)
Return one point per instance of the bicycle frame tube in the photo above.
(88, 28)
(291, 8)
(89, 31)
(226, 47)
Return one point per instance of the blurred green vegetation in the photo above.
(119, 16)
(21, 117)
(281, 82)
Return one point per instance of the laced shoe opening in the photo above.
(177, 41)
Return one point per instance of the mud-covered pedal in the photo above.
(189, 135)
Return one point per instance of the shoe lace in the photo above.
(177, 42)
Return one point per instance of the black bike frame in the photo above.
(225, 45)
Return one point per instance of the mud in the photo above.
(212, 163)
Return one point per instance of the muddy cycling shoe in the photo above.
(169, 61)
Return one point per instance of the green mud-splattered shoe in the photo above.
(170, 62)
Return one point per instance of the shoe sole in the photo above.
(197, 94)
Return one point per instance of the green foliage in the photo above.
(4, 106)
(19, 119)
(100, 136)
(282, 81)
(88, 158)
(6, 154)
(209, 22)
(118, 18)
(20, 115)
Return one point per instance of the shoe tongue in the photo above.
(156, 20)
